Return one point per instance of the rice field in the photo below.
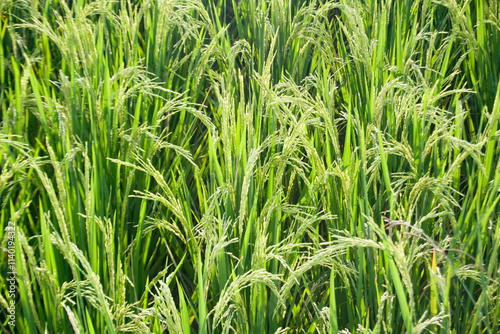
(250, 166)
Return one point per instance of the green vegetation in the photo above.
(251, 166)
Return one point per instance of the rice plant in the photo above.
(251, 166)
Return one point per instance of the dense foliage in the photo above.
(251, 166)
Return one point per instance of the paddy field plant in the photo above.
(250, 166)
